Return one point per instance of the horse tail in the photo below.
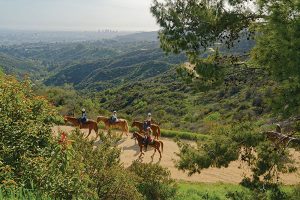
(162, 146)
(158, 131)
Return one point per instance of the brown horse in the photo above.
(121, 124)
(90, 124)
(156, 144)
(140, 125)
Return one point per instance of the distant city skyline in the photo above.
(77, 15)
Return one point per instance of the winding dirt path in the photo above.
(232, 174)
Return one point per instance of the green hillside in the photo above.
(178, 105)
(21, 66)
(135, 76)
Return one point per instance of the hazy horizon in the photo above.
(76, 15)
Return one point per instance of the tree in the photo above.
(193, 26)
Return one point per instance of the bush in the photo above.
(67, 167)
(155, 181)
(183, 135)
(80, 170)
(25, 126)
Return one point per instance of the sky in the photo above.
(77, 15)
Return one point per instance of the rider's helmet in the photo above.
(83, 110)
(149, 114)
(115, 111)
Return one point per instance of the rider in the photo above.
(147, 137)
(83, 118)
(147, 122)
(114, 118)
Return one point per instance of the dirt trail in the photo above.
(232, 174)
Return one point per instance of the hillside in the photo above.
(133, 75)
(178, 105)
(22, 66)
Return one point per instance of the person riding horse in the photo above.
(114, 118)
(147, 137)
(147, 122)
(83, 118)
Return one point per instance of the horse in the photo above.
(140, 125)
(156, 144)
(280, 139)
(120, 123)
(90, 124)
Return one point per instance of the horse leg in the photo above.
(141, 150)
(159, 154)
(153, 153)
(90, 130)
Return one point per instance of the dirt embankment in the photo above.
(233, 174)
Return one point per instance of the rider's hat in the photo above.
(149, 114)
(83, 110)
(115, 111)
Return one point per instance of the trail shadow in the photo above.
(134, 147)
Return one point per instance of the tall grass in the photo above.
(184, 135)
(219, 191)
(208, 191)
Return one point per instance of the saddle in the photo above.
(82, 121)
(149, 140)
(113, 121)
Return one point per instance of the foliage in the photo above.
(68, 101)
(194, 26)
(231, 142)
(155, 181)
(183, 135)
(12, 193)
(25, 126)
(66, 167)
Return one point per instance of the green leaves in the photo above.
(193, 26)
(155, 181)
(25, 125)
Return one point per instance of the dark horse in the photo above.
(90, 124)
(140, 125)
(156, 144)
